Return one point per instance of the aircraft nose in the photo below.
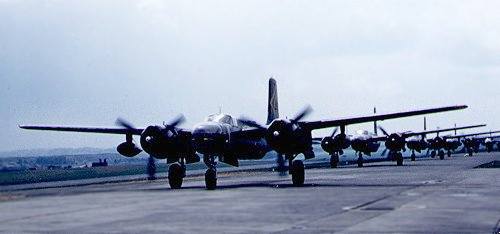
(206, 130)
(207, 138)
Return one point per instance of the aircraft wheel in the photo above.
(211, 179)
(297, 173)
(334, 161)
(449, 154)
(360, 161)
(433, 154)
(413, 157)
(175, 176)
(441, 155)
(399, 159)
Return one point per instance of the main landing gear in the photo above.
(176, 174)
(151, 168)
(298, 173)
(449, 153)
(433, 154)
(397, 156)
(441, 154)
(360, 159)
(211, 173)
(334, 160)
(413, 157)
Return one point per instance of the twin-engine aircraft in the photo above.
(367, 143)
(473, 141)
(231, 140)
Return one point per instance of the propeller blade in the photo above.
(302, 114)
(124, 123)
(383, 130)
(250, 123)
(384, 152)
(335, 130)
(177, 121)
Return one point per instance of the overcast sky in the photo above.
(88, 62)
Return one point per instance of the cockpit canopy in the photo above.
(364, 133)
(221, 118)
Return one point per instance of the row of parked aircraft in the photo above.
(230, 140)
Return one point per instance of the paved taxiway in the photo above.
(429, 195)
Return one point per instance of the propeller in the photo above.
(335, 130)
(250, 123)
(383, 131)
(302, 114)
(177, 121)
(174, 123)
(124, 123)
(384, 152)
(151, 166)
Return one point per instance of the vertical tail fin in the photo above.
(272, 105)
(375, 128)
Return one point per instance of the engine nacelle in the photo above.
(395, 142)
(128, 149)
(335, 144)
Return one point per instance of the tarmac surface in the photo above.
(426, 196)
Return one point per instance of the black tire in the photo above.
(334, 161)
(433, 154)
(175, 176)
(441, 155)
(413, 158)
(211, 179)
(298, 173)
(449, 153)
(399, 159)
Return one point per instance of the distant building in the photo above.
(101, 163)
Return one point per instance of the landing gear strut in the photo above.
(360, 159)
(298, 174)
(413, 157)
(211, 173)
(399, 158)
(334, 160)
(176, 173)
(151, 168)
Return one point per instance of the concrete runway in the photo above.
(425, 196)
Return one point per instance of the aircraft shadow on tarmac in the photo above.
(285, 186)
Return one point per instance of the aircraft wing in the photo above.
(133, 131)
(473, 134)
(312, 125)
(409, 134)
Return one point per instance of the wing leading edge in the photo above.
(134, 131)
(312, 125)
